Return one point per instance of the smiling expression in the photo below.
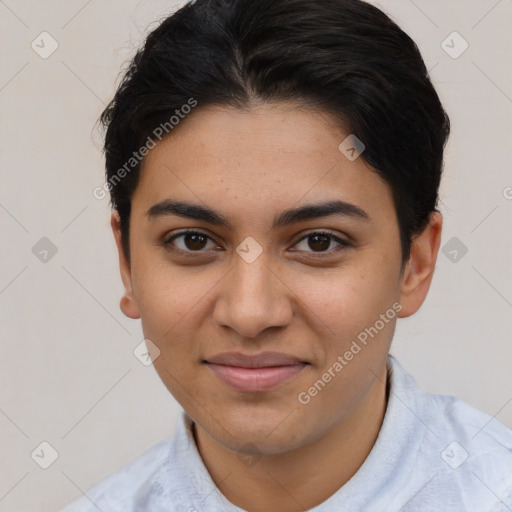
(250, 232)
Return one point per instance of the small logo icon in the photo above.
(454, 249)
(351, 147)
(249, 249)
(251, 458)
(146, 352)
(454, 45)
(44, 250)
(44, 45)
(454, 455)
(44, 455)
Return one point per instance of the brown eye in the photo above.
(320, 241)
(190, 241)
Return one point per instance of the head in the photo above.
(242, 122)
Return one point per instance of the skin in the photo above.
(294, 298)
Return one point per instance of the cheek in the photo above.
(164, 294)
(173, 304)
(347, 300)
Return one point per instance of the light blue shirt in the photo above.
(433, 453)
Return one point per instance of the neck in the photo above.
(304, 478)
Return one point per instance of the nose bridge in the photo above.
(252, 298)
(253, 280)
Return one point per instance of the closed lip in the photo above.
(262, 360)
(255, 373)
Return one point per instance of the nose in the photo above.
(253, 297)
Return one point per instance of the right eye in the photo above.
(190, 242)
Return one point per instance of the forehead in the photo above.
(262, 158)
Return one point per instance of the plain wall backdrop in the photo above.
(68, 373)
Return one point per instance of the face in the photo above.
(246, 279)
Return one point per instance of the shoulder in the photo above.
(479, 437)
(482, 435)
(446, 415)
(474, 455)
(465, 451)
(116, 492)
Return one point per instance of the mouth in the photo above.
(255, 373)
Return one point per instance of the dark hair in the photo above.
(345, 57)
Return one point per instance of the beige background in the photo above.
(68, 374)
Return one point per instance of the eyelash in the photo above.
(167, 243)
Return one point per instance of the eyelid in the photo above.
(167, 241)
(327, 232)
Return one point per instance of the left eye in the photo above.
(320, 241)
(196, 241)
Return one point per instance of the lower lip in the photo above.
(251, 380)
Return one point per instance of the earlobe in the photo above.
(129, 306)
(128, 303)
(419, 270)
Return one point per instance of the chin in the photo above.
(264, 433)
(253, 444)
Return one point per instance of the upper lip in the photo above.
(263, 360)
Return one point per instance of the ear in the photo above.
(128, 303)
(419, 270)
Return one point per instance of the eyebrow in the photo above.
(285, 218)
